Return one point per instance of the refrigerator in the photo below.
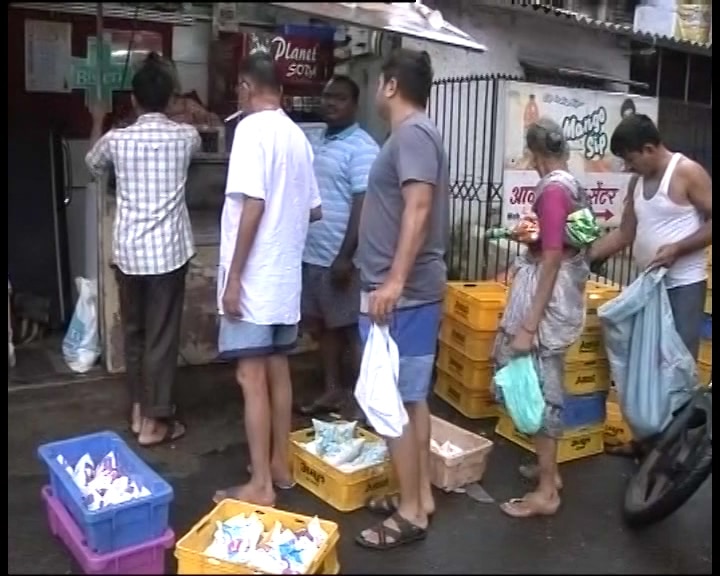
(39, 194)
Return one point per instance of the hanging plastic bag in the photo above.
(653, 371)
(520, 387)
(81, 345)
(376, 390)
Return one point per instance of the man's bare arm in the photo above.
(252, 212)
(350, 240)
(617, 240)
(699, 192)
(413, 229)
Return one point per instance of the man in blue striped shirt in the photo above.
(331, 290)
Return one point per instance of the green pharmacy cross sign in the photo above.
(84, 72)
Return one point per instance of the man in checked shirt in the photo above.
(152, 244)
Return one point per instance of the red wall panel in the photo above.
(65, 113)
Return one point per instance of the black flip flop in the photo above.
(174, 432)
(406, 533)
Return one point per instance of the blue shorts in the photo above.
(415, 331)
(241, 339)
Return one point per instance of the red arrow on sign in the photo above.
(605, 215)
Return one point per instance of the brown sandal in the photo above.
(405, 533)
(383, 505)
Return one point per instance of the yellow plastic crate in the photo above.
(708, 301)
(617, 431)
(575, 444)
(705, 354)
(190, 549)
(708, 251)
(479, 305)
(473, 375)
(704, 372)
(709, 278)
(587, 377)
(476, 345)
(597, 294)
(588, 348)
(343, 491)
(473, 404)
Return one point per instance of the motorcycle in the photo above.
(677, 464)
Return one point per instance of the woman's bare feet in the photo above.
(531, 505)
(136, 419)
(532, 472)
(264, 496)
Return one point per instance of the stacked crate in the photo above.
(587, 381)
(472, 312)
(705, 356)
(124, 538)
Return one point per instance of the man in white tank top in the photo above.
(667, 219)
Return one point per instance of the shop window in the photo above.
(673, 72)
(555, 78)
(644, 68)
(700, 81)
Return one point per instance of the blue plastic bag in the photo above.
(520, 387)
(652, 369)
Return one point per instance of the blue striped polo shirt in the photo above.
(342, 164)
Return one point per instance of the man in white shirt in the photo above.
(271, 196)
(667, 219)
(152, 243)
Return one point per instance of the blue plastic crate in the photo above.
(118, 526)
(706, 328)
(584, 410)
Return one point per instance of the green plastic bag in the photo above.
(520, 387)
(581, 228)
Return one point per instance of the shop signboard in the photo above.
(588, 119)
(117, 68)
(300, 59)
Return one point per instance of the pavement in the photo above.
(467, 537)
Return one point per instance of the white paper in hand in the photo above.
(377, 386)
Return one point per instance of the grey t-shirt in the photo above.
(414, 152)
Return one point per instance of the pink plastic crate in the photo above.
(148, 558)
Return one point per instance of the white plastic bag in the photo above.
(376, 390)
(81, 345)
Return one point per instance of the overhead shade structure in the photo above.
(404, 18)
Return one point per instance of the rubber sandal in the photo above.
(174, 432)
(317, 408)
(528, 507)
(406, 533)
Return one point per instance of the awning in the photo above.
(405, 18)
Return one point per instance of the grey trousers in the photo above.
(688, 304)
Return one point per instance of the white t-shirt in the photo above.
(272, 160)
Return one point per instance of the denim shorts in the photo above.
(415, 331)
(241, 339)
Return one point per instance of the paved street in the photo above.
(467, 537)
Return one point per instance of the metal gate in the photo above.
(469, 112)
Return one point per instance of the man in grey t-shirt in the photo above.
(401, 249)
